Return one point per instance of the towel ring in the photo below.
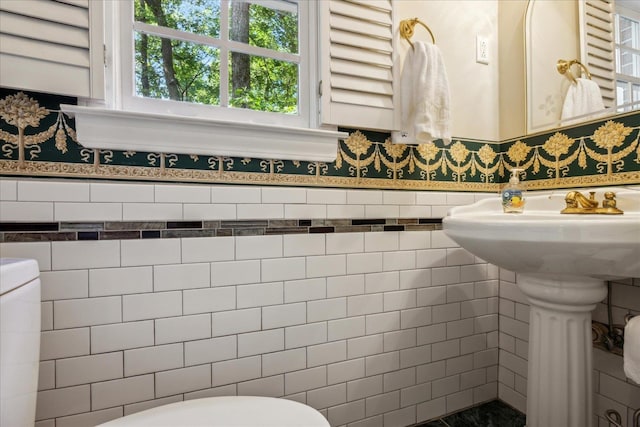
(407, 28)
(564, 67)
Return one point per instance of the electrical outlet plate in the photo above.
(482, 50)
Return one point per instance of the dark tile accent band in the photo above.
(430, 221)
(369, 221)
(126, 230)
(322, 230)
(150, 234)
(88, 235)
(28, 226)
(183, 224)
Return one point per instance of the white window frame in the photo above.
(125, 122)
(305, 60)
(629, 79)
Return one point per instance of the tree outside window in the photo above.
(183, 54)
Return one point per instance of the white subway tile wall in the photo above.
(26, 211)
(87, 211)
(378, 328)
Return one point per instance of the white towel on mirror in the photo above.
(424, 97)
(582, 98)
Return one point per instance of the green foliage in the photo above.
(277, 88)
(193, 16)
(273, 83)
(273, 29)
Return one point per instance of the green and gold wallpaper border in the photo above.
(37, 139)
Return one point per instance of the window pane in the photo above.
(258, 25)
(177, 70)
(194, 16)
(263, 84)
(629, 63)
(629, 32)
(623, 92)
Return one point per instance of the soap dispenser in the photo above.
(513, 194)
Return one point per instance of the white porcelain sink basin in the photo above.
(562, 261)
(541, 240)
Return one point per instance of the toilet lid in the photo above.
(226, 411)
(15, 272)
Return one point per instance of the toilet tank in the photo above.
(19, 340)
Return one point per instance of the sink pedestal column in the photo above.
(559, 383)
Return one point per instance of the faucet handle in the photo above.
(609, 200)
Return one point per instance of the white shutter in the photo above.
(598, 46)
(357, 64)
(52, 46)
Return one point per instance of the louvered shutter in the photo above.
(357, 64)
(598, 46)
(52, 46)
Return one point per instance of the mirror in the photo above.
(556, 30)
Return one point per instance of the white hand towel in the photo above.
(424, 97)
(582, 98)
(631, 349)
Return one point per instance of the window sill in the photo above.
(158, 133)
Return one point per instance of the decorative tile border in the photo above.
(605, 152)
(38, 140)
(126, 230)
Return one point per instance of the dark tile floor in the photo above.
(490, 414)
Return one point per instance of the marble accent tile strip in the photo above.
(126, 230)
(53, 236)
(119, 235)
(134, 225)
(82, 226)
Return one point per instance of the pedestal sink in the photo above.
(562, 262)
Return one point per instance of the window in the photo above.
(218, 77)
(243, 55)
(627, 37)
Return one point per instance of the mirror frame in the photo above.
(570, 50)
(530, 127)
